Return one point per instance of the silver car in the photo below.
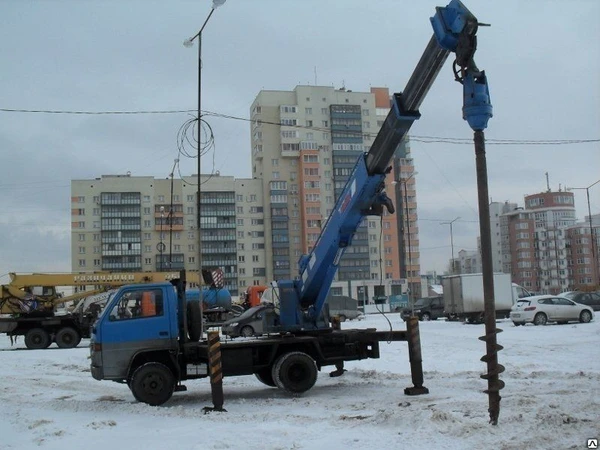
(541, 309)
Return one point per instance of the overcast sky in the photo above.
(542, 59)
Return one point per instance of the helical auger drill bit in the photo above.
(495, 384)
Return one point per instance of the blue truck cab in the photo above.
(137, 319)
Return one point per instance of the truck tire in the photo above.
(194, 320)
(295, 372)
(67, 337)
(37, 339)
(425, 317)
(265, 376)
(153, 383)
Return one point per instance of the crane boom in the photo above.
(302, 300)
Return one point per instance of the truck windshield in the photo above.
(420, 302)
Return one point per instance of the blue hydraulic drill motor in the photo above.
(477, 107)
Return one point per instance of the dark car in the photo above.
(591, 299)
(256, 321)
(429, 308)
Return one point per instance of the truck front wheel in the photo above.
(295, 372)
(37, 339)
(153, 383)
(67, 338)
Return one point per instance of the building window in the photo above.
(254, 258)
(307, 111)
(82, 263)
(241, 258)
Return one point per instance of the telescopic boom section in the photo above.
(302, 301)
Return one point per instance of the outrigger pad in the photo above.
(416, 390)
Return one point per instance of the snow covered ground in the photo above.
(551, 400)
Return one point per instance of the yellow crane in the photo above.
(28, 302)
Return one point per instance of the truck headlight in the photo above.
(234, 324)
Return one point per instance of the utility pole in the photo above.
(188, 43)
(451, 243)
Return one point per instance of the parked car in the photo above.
(429, 308)
(541, 309)
(255, 321)
(591, 299)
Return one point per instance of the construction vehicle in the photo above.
(153, 355)
(253, 295)
(28, 304)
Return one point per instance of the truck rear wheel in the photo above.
(37, 339)
(265, 376)
(295, 372)
(153, 383)
(67, 337)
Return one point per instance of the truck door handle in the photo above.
(163, 333)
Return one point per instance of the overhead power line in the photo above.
(95, 113)
(415, 138)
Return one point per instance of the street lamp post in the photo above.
(171, 218)
(404, 181)
(451, 243)
(161, 245)
(592, 237)
(188, 43)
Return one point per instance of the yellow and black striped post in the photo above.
(216, 372)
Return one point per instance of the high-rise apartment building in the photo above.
(584, 261)
(305, 144)
(126, 223)
(535, 242)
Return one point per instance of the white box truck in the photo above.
(463, 296)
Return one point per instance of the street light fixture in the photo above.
(592, 237)
(451, 243)
(189, 43)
